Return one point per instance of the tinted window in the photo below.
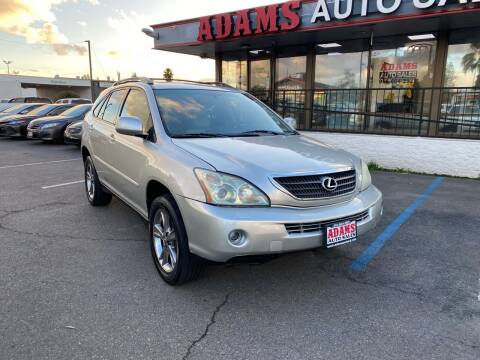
(42, 110)
(111, 110)
(188, 112)
(100, 105)
(137, 105)
(77, 110)
(58, 110)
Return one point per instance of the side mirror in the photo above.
(291, 122)
(131, 126)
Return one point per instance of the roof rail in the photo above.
(150, 81)
(134, 79)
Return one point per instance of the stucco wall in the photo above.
(435, 156)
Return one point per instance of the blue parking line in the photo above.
(364, 259)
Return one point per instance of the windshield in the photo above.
(12, 109)
(212, 113)
(42, 110)
(77, 110)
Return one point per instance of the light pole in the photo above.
(91, 72)
(8, 62)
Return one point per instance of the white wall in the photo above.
(10, 88)
(430, 155)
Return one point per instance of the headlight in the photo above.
(17, 122)
(50, 125)
(366, 178)
(228, 190)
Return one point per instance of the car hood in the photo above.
(18, 117)
(268, 155)
(49, 119)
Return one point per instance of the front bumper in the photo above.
(208, 226)
(13, 130)
(73, 138)
(47, 134)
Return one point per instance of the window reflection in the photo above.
(340, 79)
(234, 73)
(291, 83)
(260, 79)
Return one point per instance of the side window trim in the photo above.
(152, 132)
(122, 102)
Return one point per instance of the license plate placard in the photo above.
(340, 233)
(30, 134)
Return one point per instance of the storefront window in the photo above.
(234, 73)
(290, 87)
(463, 61)
(340, 81)
(401, 80)
(260, 79)
(460, 112)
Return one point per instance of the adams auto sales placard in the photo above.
(306, 15)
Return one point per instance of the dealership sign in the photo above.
(296, 17)
(343, 9)
(239, 24)
(291, 15)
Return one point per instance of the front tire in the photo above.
(169, 243)
(96, 194)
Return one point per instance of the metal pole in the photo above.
(91, 72)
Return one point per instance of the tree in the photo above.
(168, 74)
(450, 76)
(471, 62)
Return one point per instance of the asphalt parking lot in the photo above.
(78, 282)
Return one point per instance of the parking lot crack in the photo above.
(213, 320)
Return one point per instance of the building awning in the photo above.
(296, 23)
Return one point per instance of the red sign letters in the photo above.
(269, 19)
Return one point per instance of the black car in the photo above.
(73, 133)
(17, 109)
(52, 128)
(16, 125)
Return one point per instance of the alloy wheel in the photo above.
(165, 241)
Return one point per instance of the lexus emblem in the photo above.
(329, 184)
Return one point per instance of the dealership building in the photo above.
(361, 67)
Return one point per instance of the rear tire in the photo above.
(169, 243)
(96, 194)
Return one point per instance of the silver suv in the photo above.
(219, 175)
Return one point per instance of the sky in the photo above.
(45, 37)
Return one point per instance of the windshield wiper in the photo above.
(259, 132)
(198, 135)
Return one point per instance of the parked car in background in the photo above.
(16, 125)
(42, 100)
(52, 128)
(220, 175)
(461, 118)
(18, 109)
(5, 106)
(73, 133)
(73, 101)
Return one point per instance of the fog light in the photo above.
(237, 237)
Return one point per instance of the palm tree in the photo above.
(471, 62)
(168, 74)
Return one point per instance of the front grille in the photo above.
(310, 186)
(317, 227)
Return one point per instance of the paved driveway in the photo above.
(78, 282)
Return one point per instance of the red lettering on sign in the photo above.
(205, 31)
(293, 19)
(242, 24)
(330, 233)
(266, 19)
(223, 26)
